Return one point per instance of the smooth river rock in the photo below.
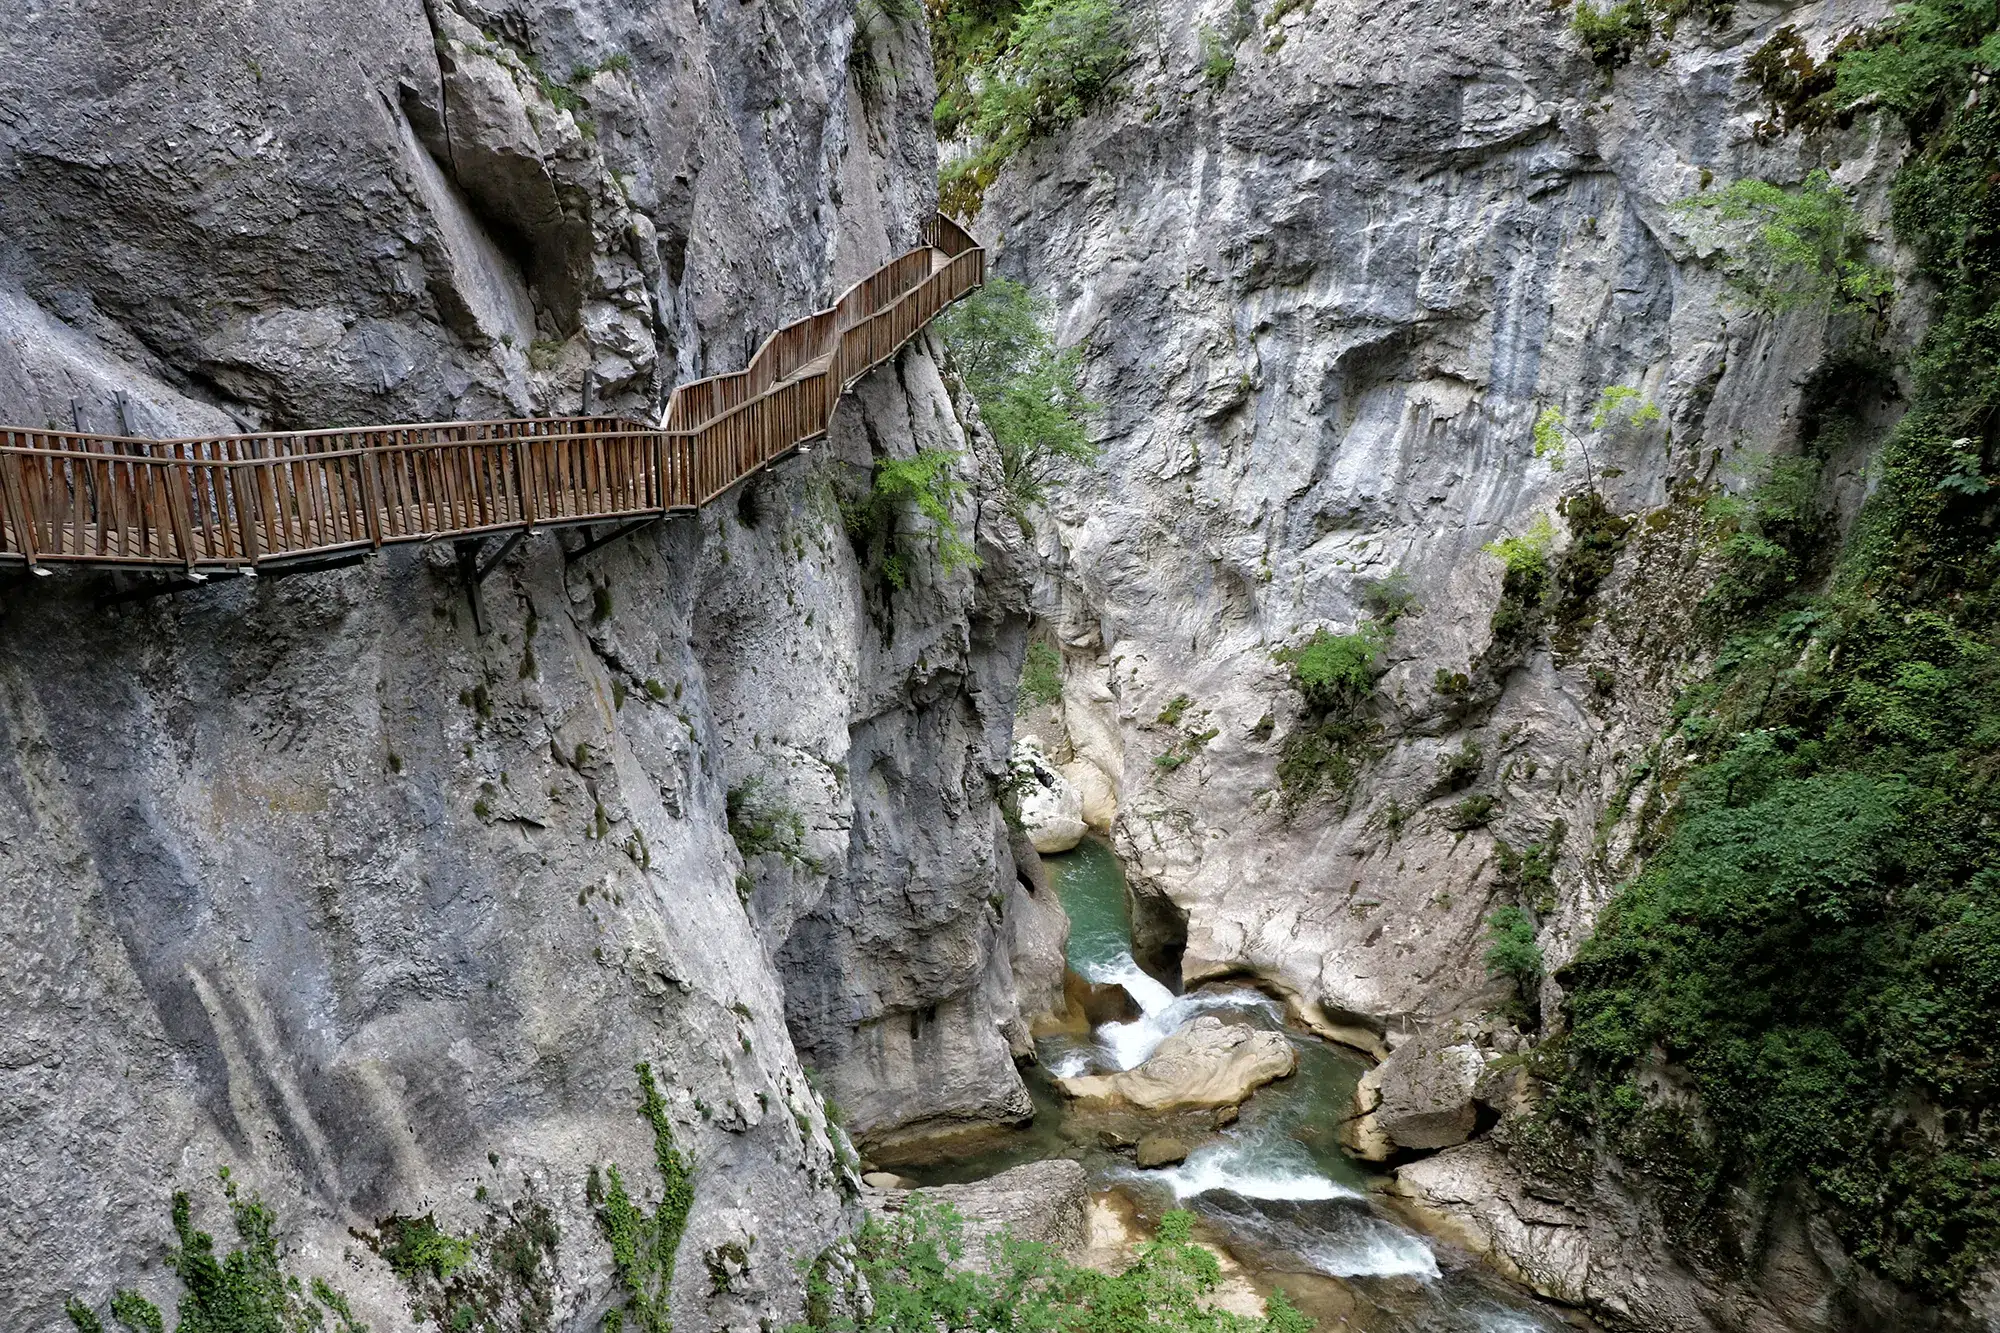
(1207, 1063)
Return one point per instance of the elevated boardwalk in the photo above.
(239, 502)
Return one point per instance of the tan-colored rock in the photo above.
(1157, 1150)
(1208, 1063)
(1097, 792)
(1361, 1133)
(885, 1180)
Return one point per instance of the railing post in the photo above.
(17, 506)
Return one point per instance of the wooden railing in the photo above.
(242, 500)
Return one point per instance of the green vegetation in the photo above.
(498, 1278)
(1041, 676)
(927, 484)
(1526, 582)
(1218, 49)
(1816, 940)
(1615, 33)
(643, 1245)
(1008, 71)
(413, 1247)
(759, 823)
(914, 1266)
(1334, 674)
(244, 1291)
(1511, 951)
(1806, 247)
(1460, 768)
(1334, 669)
(1030, 393)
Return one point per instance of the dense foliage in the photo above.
(1806, 247)
(915, 1268)
(1029, 391)
(244, 1291)
(1008, 71)
(1816, 939)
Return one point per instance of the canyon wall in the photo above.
(1331, 264)
(311, 882)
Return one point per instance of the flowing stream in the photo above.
(1274, 1188)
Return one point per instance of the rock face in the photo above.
(1425, 1093)
(1207, 1063)
(1324, 300)
(1051, 807)
(1574, 1243)
(1048, 1202)
(1323, 305)
(310, 881)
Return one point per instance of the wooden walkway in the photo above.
(238, 502)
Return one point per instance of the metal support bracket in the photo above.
(473, 569)
(625, 530)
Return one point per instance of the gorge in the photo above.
(1462, 531)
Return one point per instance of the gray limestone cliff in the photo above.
(308, 880)
(1326, 291)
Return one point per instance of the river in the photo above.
(1274, 1189)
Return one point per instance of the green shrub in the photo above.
(1460, 768)
(927, 484)
(914, 1267)
(1611, 34)
(1041, 676)
(1475, 811)
(1526, 584)
(1036, 67)
(1332, 670)
(1806, 248)
(759, 824)
(1511, 950)
(1030, 393)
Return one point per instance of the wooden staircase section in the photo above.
(238, 502)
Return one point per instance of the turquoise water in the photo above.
(1091, 884)
(1275, 1187)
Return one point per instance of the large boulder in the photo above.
(1046, 1201)
(1038, 936)
(1051, 809)
(1208, 1063)
(1427, 1087)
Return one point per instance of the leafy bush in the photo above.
(1807, 247)
(1526, 583)
(1334, 669)
(1511, 950)
(1460, 768)
(1007, 74)
(914, 1266)
(1041, 676)
(1030, 393)
(1475, 811)
(926, 484)
(1613, 33)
